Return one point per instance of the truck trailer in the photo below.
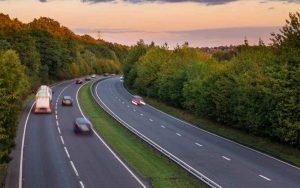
(43, 100)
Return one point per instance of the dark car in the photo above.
(137, 100)
(67, 101)
(78, 81)
(88, 78)
(82, 125)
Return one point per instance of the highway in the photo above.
(52, 155)
(222, 162)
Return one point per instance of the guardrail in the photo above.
(178, 161)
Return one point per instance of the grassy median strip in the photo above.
(283, 152)
(150, 165)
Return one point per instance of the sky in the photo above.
(201, 23)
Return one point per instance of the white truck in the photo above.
(43, 99)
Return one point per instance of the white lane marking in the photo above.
(198, 144)
(128, 106)
(141, 114)
(55, 112)
(226, 158)
(55, 107)
(58, 130)
(56, 116)
(178, 134)
(134, 110)
(122, 102)
(81, 184)
(75, 170)
(62, 140)
(151, 120)
(57, 123)
(163, 126)
(67, 153)
(113, 153)
(264, 177)
(178, 161)
(22, 147)
(23, 140)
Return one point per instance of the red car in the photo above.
(137, 100)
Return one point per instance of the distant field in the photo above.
(283, 152)
(150, 165)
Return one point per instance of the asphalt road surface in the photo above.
(224, 162)
(54, 156)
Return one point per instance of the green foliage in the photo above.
(13, 85)
(41, 52)
(255, 89)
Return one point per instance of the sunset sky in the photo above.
(200, 22)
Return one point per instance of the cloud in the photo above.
(207, 2)
(105, 30)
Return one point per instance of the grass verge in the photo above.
(146, 161)
(280, 151)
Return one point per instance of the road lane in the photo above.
(246, 167)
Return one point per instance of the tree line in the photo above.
(42, 52)
(255, 89)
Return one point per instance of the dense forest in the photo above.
(255, 89)
(44, 52)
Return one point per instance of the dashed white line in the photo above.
(56, 116)
(62, 140)
(151, 120)
(163, 126)
(58, 130)
(67, 153)
(57, 123)
(73, 166)
(134, 110)
(122, 102)
(198, 144)
(55, 112)
(264, 177)
(128, 106)
(81, 184)
(141, 114)
(178, 134)
(226, 158)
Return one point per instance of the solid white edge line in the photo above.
(264, 177)
(67, 153)
(74, 168)
(113, 153)
(226, 158)
(231, 141)
(22, 147)
(23, 139)
(190, 168)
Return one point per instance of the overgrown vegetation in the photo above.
(151, 165)
(256, 90)
(43, 52)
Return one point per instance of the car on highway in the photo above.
(79, 81)
(93, 76)
(83, 125)
(67, 101)
(88, 78)
(137, 100)
(113, 75)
